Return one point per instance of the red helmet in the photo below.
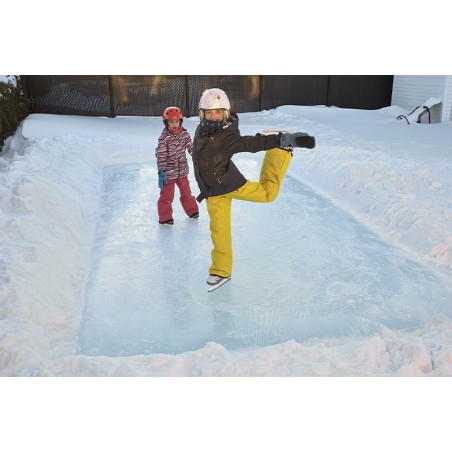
(172, 113)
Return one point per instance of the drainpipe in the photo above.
(110, 90)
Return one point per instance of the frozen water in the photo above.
(147, 292)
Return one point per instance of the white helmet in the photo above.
(213, 99)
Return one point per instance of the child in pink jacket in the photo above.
(172, 167)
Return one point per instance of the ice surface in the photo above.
(147, 292)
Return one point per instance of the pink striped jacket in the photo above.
(170, 153)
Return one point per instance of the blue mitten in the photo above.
(162, 179)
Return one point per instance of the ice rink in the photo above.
(303, 269)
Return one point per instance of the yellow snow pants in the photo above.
(274, 167)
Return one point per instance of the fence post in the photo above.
(187, 102)
(260, 92)
(110, 91)
(328, 91)
(27, 87)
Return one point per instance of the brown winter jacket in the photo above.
(215, 172)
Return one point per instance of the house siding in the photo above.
(411, 91)
(447, 108)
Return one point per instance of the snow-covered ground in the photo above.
(77, 206)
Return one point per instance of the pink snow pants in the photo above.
(188, 201)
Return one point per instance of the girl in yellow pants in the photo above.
(217, 139)
(274, 167)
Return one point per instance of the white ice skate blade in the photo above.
(216, 286)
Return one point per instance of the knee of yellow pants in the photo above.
(273, 170)
(219, 209)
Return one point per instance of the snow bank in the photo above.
(48, 192)
(425, 353)
(393, 178)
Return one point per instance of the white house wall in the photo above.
(447, 108)
(411, 91)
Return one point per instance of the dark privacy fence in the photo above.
(149, 95)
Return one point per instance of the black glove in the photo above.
(297, 140)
